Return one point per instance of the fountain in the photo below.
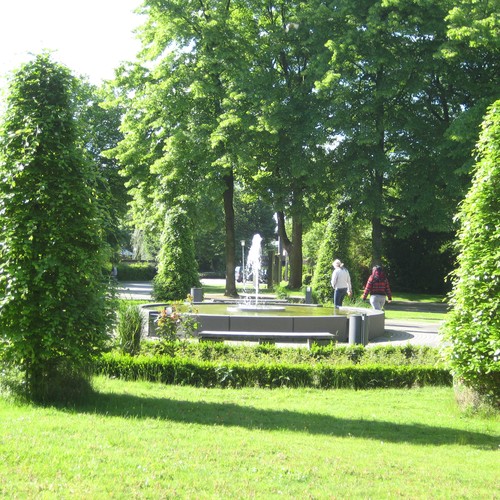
(253, 269)
(254, 319)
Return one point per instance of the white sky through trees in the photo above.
(91, 37)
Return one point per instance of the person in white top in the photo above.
(341, 283)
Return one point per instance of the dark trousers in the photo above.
(338, 296)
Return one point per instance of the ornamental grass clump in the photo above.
(129, 328)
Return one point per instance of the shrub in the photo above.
(177, 267)
(55, 315)
(473, 325)
(336, 244)
(136, 271)
(268, 353)
(281, 291)
(240, 374)
(174, 325)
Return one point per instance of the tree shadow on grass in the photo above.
(248, 417)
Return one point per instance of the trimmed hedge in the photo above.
(221, 352)
(199, 373)
(136, 271)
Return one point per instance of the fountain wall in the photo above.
(336, 324)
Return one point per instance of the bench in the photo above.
(266, 337)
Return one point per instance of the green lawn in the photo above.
(144, 440)
(433, 317)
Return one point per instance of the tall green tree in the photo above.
(54, 309)
(179, 136)
(177, 267)
(283, 158)
(381, 54)
(397, 100)
(473, 325)
(336, 244)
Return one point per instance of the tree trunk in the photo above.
(378, 175)
(295, 281)
(376, 241)
(294, 249)
(230, 245)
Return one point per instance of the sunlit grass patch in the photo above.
(146, 440)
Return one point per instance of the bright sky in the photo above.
(90, 37)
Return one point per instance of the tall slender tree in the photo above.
(473, 326)
(54, 312)
(284, 155)
(179, 136)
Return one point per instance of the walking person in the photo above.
(378, 288)
(341, 283)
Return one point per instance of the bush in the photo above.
(173, 325)
(55, 313)
(336, 244)
(473, 325)
(182, 371)
(270, 354)
(177, 267)
(136, 271)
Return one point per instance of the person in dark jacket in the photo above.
(378, 288)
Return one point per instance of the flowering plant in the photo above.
(172, 324)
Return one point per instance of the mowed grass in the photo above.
(432, 317)
(144, 440)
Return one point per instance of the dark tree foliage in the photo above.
(54, 311)
(418, 262)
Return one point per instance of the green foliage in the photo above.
(394, 90)
(54, 309)
(177, 267)
(129, 328)
(333, 354)
(311, 244)
(336, 244)
(173, 325)
(136, 271)
(101, 132)
(282, 291)
(473, 326)
(173, 370)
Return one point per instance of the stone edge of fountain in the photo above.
(335, 324)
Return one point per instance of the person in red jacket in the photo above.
(378, 288)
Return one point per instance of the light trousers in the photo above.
(377, 301)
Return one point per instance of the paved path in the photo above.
(397, 332)
(409, 332)
(135, 290)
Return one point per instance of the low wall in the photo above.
(337, 325)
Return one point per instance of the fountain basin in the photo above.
(290, 318)
(255, 308)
